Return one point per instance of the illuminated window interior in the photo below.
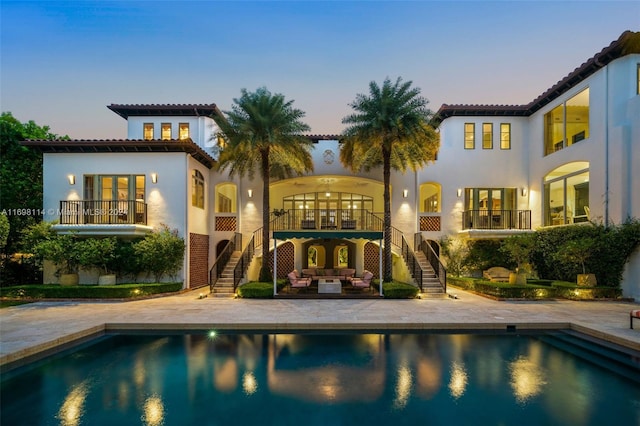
(148, 131)
(505, 136)
(566, 124)
(183, 131)
(469, 135)
(166, 131)
(487, 136)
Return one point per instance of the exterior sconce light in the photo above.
(523, 191)
(154, 178)
(72, 179)
(459, 192)
(250, 193)
(405, 193)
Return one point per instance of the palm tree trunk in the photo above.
(265, 271)
(386, 155)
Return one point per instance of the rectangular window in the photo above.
(505, 136)
(469, 136)
(567, 123)
(183, 131)
(148, 131)
(487, 136)
(166, 131)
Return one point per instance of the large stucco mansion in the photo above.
(568, 157)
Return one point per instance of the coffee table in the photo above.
(329, 286)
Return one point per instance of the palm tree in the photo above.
(264, 132)
(390, 129)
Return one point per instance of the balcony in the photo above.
(103, 217)
(496, 219)
(112, 212)
(327, 223)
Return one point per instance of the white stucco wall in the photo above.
(201, 129)
(165, 199)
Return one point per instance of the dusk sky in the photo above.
(62, 62)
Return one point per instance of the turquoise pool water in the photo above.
(305, 379)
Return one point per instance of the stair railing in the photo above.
(398, 240)
(223, 258)
(432, 258)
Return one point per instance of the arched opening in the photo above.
(226, 198)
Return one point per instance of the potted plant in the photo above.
(519, 248)
(578, 252)
(63, 251)
(99, 253)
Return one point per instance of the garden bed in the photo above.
(55, 291)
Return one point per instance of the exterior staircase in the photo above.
(430, 283)
(224, 285)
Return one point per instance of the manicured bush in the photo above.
(396, 290)
(259, 290)
(98, 253)
(160, 252)
(53, 291)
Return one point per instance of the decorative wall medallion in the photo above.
(328, 156)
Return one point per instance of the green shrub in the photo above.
(256, 290)
(396, 290)
(53, 291)
(98, 253)
(160, 252)
(484, 254)
(611, 249)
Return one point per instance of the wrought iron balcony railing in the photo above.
(77, 212)
(325, 219)
(496, 219)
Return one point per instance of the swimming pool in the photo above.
(328, 378)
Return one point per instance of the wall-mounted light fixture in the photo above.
(405, 193)
(250, 192)
(154, 178)
(72, 179)
(459, 192)
(523, 191)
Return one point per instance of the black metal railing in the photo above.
(432, 258)
(101, 212)
(325, 219)
(223, 258)
(246, 257)
(496, 219)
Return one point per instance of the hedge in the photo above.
(396, 290)
(120, 291)
(258, 290)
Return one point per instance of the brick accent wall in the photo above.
(226, 223)
(429, 223)
(198, 260)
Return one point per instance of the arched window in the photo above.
(197, 189)
(226, 198)
(566, 194)
(342, 257)
(430, 194)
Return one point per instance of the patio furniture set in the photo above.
(331, 282)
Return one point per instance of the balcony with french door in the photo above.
(103, 217)
(499, 223)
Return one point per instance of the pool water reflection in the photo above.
(321, 379)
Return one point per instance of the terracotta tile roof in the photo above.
(123, 145)
(183, 110)
(627, 43)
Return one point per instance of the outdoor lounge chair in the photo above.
(364, 282)
(298, 282)
(633, 314)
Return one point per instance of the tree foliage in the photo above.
(264, 133)
(160, 252)
(389, 129)
(20, 174)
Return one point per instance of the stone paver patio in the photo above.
(28, 330)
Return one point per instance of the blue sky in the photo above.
(62, 62)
